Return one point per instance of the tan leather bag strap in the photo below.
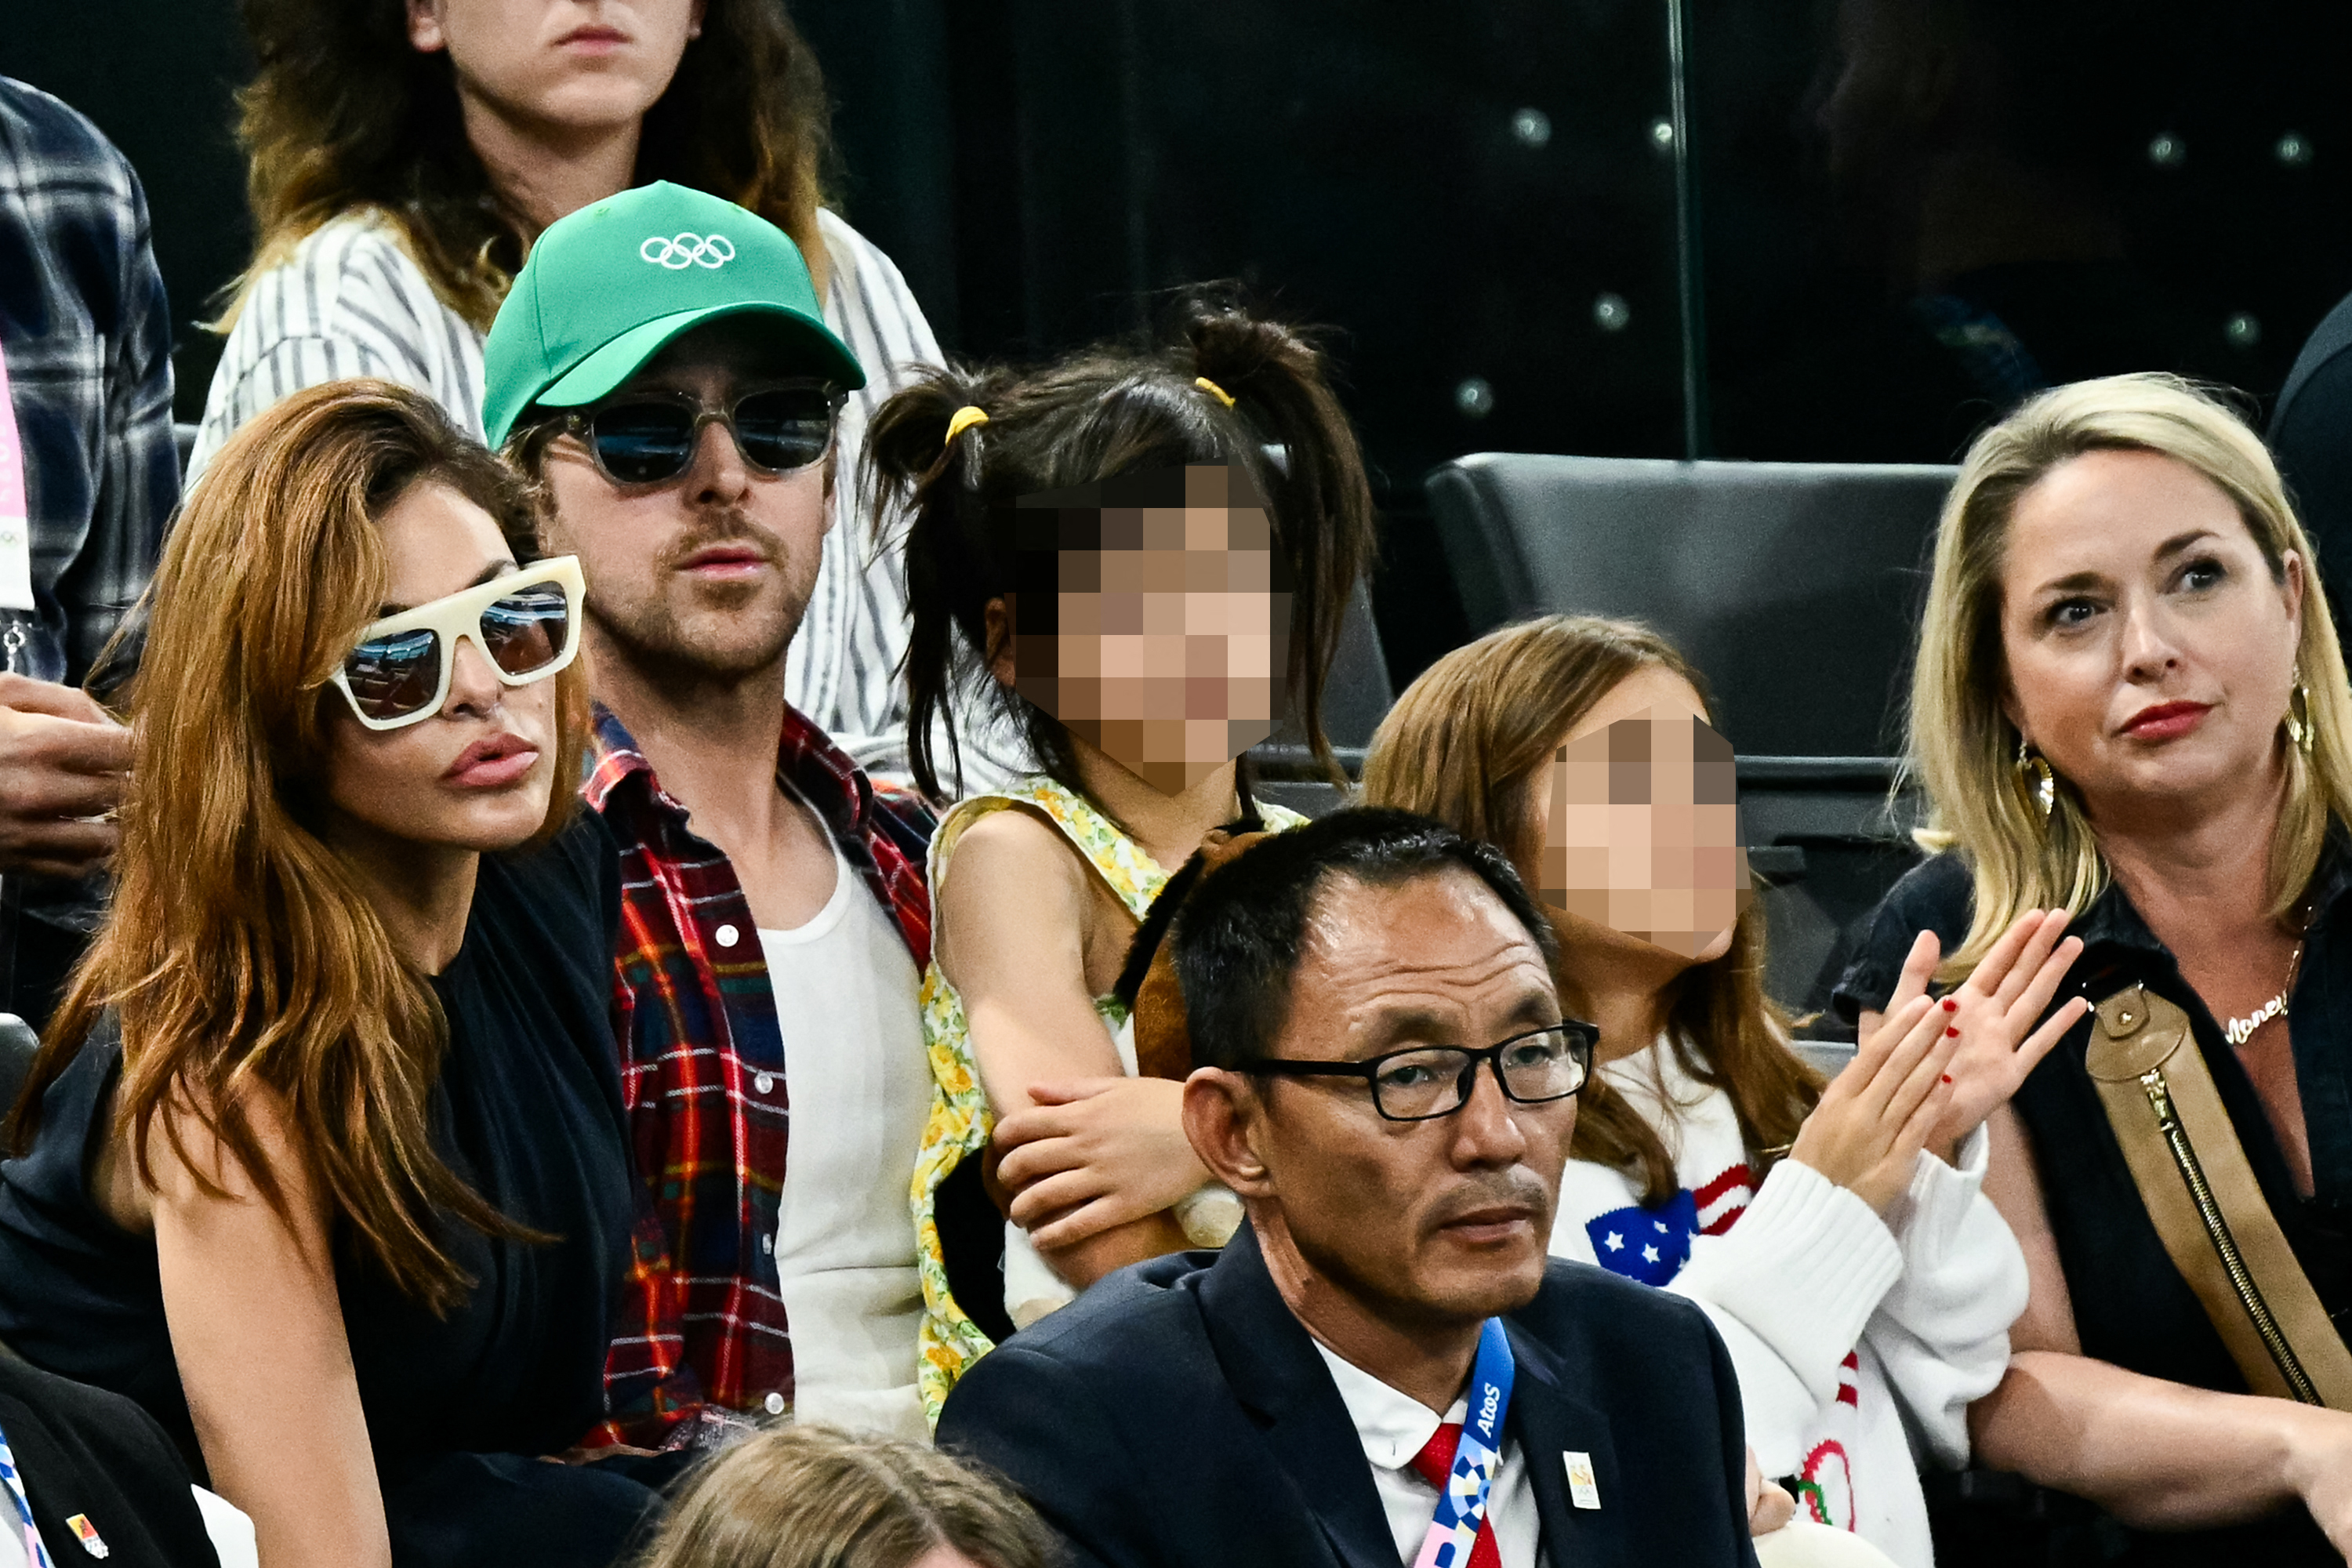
(2207, 1207)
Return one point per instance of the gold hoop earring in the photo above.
(2299, 727)
(2033, 776)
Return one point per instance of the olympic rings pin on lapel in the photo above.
(680, 251)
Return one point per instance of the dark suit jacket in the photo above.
(1178, 1414)
(81, 1450)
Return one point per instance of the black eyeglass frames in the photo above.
(1429, 1081)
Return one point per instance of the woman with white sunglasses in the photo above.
(323, 1161)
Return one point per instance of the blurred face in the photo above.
(1164, 640)
(2149, 648)
(1640, 824)
(1421, 1223)
(476, 775)
(562, 64)
(704, 577)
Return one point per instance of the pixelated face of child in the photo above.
(1152, 618)
(1642, 833)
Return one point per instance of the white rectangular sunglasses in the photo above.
(527, 625)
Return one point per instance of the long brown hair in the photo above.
(344, 113)
(1106, 411)
(239, 951)
(1467, 743)
(813, 1497)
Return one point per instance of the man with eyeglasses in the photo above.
(1383, 1366)
(662, 370)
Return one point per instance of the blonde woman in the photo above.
(813, 1497)
(2129, 702)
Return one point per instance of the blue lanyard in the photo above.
(1461, 1501)
(36, 1555)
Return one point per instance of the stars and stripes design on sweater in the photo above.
(1858, 1340)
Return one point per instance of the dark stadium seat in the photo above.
(1795, 586)
(18, 1046)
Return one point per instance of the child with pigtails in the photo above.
(1138, 560)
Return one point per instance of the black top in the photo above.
(1178, 1413)
(2131, 1305)
(526, 1112)
(85, 1451)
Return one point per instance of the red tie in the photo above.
(1434, 1464)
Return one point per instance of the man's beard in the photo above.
(653, 638)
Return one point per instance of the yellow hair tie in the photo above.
(963, 420)
(1213, 390)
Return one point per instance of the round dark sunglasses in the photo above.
(648, 438)
(1429, 1081)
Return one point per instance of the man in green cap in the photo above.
(662, 369)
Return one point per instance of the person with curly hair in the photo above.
(405, 156)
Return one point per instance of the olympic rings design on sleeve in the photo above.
(680, 251)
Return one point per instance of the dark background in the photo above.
(1478, 198)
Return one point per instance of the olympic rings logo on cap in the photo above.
(677, 252)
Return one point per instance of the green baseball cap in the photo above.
(609, 286)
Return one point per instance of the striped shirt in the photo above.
(350, 301)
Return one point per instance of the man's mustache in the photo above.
(1517, 1187)
(734, 530)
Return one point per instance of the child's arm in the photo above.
(1012, 928)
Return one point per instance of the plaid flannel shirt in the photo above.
(701, 1321)
(88, 345)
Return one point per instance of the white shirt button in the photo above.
(728, 935)
(767, 1244)
(775, 1404)
(765, 1083)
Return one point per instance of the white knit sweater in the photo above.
(1858, 1342)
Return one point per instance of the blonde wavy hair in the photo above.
(1963, 747)
(815, 1496)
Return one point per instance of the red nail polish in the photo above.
(1952, 1034)
(1947, 1077)
(1950, 1006)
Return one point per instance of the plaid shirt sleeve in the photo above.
(700, 1322)
(88, 336)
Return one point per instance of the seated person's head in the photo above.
(812, 1497)
(1581, 748)
(353, 100)
(662, 370)
(1378, 936)
(1149, 553)
(281, 651)
(2121, 629)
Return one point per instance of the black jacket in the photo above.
(81, 1450)
(1177, 1414)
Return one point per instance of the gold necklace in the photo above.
(2238, 1031)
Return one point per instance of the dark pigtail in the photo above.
(946, 544)
(1322, 500)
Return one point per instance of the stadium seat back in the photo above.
(1795, 587)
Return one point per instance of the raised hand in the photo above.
(1874, 1119)
(1992, 1014)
